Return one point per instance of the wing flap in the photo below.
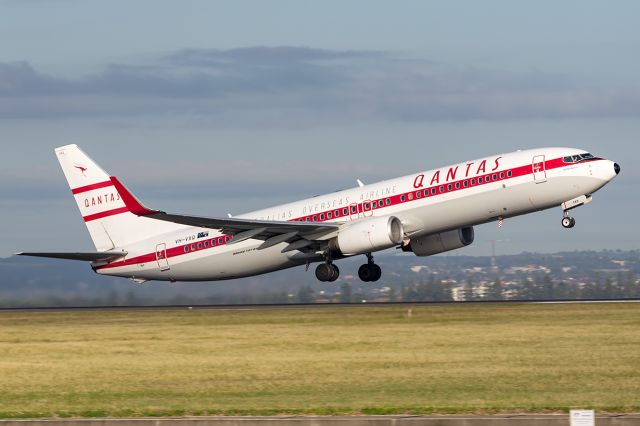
(244, 227)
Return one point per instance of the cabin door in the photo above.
(539, 170)
(161, 257)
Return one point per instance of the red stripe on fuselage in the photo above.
(91, 187)
(107, 213)
(394, 200)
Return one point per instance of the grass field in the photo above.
(476, 358)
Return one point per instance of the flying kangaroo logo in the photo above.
(81, 168)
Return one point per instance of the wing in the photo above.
(298, 234)
(87, 256)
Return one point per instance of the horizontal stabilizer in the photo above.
(90, 256)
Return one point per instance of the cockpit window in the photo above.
(578, 158)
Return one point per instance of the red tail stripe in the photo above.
(91, 187)
(105, 214)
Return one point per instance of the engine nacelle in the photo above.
(428, 245)
(367, 235)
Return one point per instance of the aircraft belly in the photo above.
(242, 262)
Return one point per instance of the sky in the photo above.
(216, 107)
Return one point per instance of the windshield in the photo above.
(578, 158)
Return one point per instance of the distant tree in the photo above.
(564, 290)
(494, 290)
(468, 290)
(346, 293)
(305, 294)
(445, 291)
(630, 286)
(526, 289)
(608, 290)
(546, 288)
(591, 290)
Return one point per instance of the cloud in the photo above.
(297, 86)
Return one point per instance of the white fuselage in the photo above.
(465, 194)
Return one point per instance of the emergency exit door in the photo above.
(161, 257)
(539, 169)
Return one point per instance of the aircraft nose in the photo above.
(616, 167)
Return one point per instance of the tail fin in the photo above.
(109, 221)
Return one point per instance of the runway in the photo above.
(247, 307)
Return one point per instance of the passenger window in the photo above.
(186, 249)
(509, 173)
(337, 213)
(227, 238)
(495, 176)
(402, 198)
(410, 196)
(329, 215)
(380, 203)
(315, 218)
(345, 211)
(449, 187)
(487, 178)
(442, 189)
(501, 175)
(193, 247)
(387, 201)
(480, 179)
(433, 191)
(206, 243)
(466, 183)
(308, 219)
(418, 194)
(321, 216)
(367, 206)
(426, 192)
(220, 240)
(457, 185)
(354, 209)
(199, 246)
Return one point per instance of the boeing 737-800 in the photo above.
(425, 213)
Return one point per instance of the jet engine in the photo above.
(428, 245)
(367, 235)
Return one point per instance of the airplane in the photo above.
(424, 213)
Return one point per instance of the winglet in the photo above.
(130, 201)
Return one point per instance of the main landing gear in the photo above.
(327, 272)
(369, 272)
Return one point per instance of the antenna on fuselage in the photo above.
(360, 184)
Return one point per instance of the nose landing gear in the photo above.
(568, 221)
(369, 272)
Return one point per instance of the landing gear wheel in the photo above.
(326, 272)
(568, 222)
(335, 273)
(365, 272)
(369, 272)
(377, 272)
